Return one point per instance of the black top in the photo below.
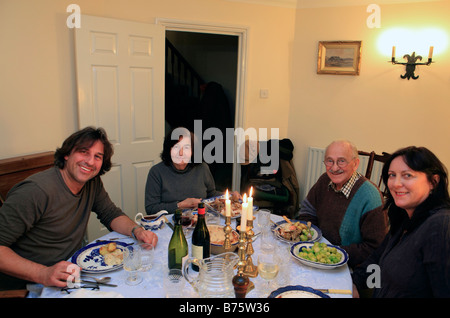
(413, 260)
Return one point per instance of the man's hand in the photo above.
(124, 225)
(59, 275)
(146, 236)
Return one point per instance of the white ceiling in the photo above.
(326, 3)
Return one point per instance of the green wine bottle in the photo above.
(201, 245)
(178, 247)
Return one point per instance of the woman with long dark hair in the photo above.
(414, 259)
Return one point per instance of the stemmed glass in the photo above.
(132, 263)
(268, 267)
(264, 225)
(264, 220)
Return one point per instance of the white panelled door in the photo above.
(120, 76)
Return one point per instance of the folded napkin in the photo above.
(85, 293)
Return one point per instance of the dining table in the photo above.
(334, 282)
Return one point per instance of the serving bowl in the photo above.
(298, 247)
(217, 237)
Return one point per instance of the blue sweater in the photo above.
(357, 224)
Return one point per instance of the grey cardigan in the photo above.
(166, 186)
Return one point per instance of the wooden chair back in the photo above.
(16, 169)
(373, 157)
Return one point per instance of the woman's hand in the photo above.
(235, 196)
(189, 203)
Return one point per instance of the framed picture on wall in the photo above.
(339, 57)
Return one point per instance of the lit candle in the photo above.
(393, 52)
(227, 205)
(244, 214)
(430, 54)
(250, 206)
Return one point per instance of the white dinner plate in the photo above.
(90, 260)
(297, 247)
(297, 292)
(210, 208)
(317, 235)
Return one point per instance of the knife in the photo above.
(210, 207)
(335, 291)
(98, 283)
(167, 222)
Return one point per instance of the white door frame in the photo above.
(242, 33)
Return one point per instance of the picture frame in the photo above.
(339, 57)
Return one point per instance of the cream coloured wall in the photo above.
(376, 110)
(37, 81)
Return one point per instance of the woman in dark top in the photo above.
(178, 182)
(414, 259)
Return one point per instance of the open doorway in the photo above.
(201, 84)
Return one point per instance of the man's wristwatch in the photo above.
(132, 231)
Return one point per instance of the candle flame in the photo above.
(245, 198)
(226, 195)
(251, 190)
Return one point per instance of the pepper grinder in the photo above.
(241, 281)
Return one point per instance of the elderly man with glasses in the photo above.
(346, 206)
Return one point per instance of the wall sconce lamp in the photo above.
(411, 63)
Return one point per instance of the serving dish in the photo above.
(208, 202)
(219, 235)
(297, 248)
(152, 222)
(317, 235)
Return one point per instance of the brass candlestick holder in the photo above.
(250, 269)
(227, 229)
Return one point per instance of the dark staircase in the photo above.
(189, 97)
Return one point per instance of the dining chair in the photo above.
(277, 191)
(16, 169)
(372, 159)
(12, 171)
(19, 293)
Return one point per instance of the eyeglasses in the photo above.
(342, 163)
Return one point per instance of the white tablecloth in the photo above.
(152, 286)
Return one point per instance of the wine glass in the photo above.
(264, 220)
(266, 241)
(132, 263)
(268, 267)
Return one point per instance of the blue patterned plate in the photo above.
(297, 248)
(317, 233)
(209, 201)
(90, 260)
(297, 292)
